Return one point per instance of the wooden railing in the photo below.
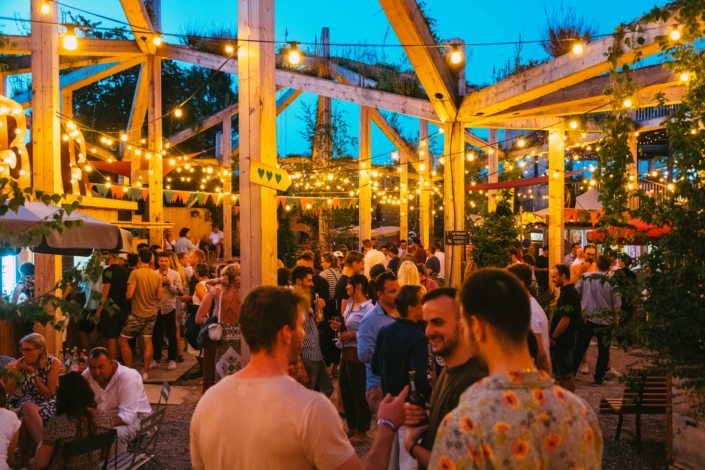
(655, 112)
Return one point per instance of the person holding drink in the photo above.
(352, 371)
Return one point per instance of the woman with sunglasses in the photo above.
(38, 401)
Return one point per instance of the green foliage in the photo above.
(287, 245)
(564, 26)
(330, 141)
(495, 236)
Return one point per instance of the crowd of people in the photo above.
(470, 378)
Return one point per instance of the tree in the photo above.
(495, 236)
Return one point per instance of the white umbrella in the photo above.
(93, 234)
(588, 201)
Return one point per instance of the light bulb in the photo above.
(521, 142)
(675, 35)
(455, 56)
(178, 113)
(573, 124)
(45, 8)
(157, 41)
(422, 167)
(627, 103)
(684, 77)
(294, 54)
(578, 48)
(229, 49)
(69, 40)
(123, 137)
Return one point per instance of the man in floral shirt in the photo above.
(517, 417)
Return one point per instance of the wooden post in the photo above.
(327, 101)
(67, 103)
(154, 139)
(493, 168)
(258, 142)
(556, 190)
(403, 195)
(226, 143)
(424, 176)
(365, 180)
(46, 135)
(633, 167)
(454, 198)
(4, 88)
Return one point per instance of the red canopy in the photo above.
(124, 168)
(518, 183)
(640, 234)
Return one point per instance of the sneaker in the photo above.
(145, 377)
(584, 369)
(153, 364)
(613, 371)
(171, 365)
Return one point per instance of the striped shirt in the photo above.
(311, 350)
(332, 276)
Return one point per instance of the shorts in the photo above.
(562, 362)
(142, 326)
(109, 325)
(86, 323)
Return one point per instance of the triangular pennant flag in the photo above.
(201, 197)
(281, 201)
(134, 193)
(219, 199)
(169, 196)
(306, 202)
(145, 194)
(236, 210)
(101, 189)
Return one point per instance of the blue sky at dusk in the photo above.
(363, 21)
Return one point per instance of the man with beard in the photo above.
(261, 418)
(516, 417)
(442, 315)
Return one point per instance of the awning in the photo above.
(640, 233)
(518, 183)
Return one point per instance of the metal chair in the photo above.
(80, 447)
(164, 394)
(145, 443)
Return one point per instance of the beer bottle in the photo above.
(414, 397)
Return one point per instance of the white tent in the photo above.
(589, 201)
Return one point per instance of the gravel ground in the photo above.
(173, 446)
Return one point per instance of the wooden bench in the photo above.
(649, 395)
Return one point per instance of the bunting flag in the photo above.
(169, 195)
(101, 189)
(236, 210)
(201, 197)
(145, 194)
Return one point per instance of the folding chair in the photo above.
(164, 394)
(80, 447)
(145, 443)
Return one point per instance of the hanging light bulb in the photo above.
(521, 142)
(157, 40)
(573, 124)
(69, 40)
(675, 35)
(294, 54)
(123, 137)
(627, 103)
(684, 77)
(178, 112)
(578, 48)
(455, 56)
(45, 8)
(229, 49)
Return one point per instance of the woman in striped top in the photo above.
(331, 272)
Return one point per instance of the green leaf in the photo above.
(641, 40)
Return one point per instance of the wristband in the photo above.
(388, 423)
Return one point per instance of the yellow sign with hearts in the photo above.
(269, 176)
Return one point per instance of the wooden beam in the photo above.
(454, 198)
(558, 73)
(154, 142)
(140, 103)
(123, 48)
(425, 196)
(404, 195)
(493, 168)
(16, 45)
(226, 142)
(207, 123)
(105, 203)
(23, 64)
(258, 142)
(364, 178)
(529, 123)
(586, 96)
(46, 144)
(319, 86)
(556, 196)
(141, 25)
(411, 28)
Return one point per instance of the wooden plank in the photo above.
(558, 73)
(154, 140)
(364, 179)
(123, 48)
(226, 142)
(285, 100)
(46, 144)
(403, 195)
(135, 123)
(454, 198)
(412, 29)
(207, 123)
(587, 95)
(141, 25)
(106, 203)
(258, 140)
(23, 64)
(556, 196)
(319, 86)
(425, 196)
(16, 45)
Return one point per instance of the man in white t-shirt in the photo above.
(9, 432)
(262, 418)
(216, 237)
(539, 321)
(442, 258)
(372, 256)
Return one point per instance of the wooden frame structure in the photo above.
(538, 98)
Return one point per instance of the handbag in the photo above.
(215, 330)
(349, 355)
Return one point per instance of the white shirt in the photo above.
(124, 396)
(266, 423)
(9, 425)
(216, 237)
(442, 258)
(539, 325)
(169, 293)
(373, 257)
(578, 261)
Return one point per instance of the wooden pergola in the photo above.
(538, 98)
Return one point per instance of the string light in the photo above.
(455, 56)
(294, 54)
(178, 113)
(69, 40)
(578, 48)
(229, 49)
(45, 8)
(521, 143)
(684, 77)
(675, 35)
(627, 103)
(573, 124)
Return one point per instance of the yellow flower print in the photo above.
(444, 463)
(551, 442)
(560, 394)
(501, 427)
(539, 396)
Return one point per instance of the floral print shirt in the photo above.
(518, 420)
